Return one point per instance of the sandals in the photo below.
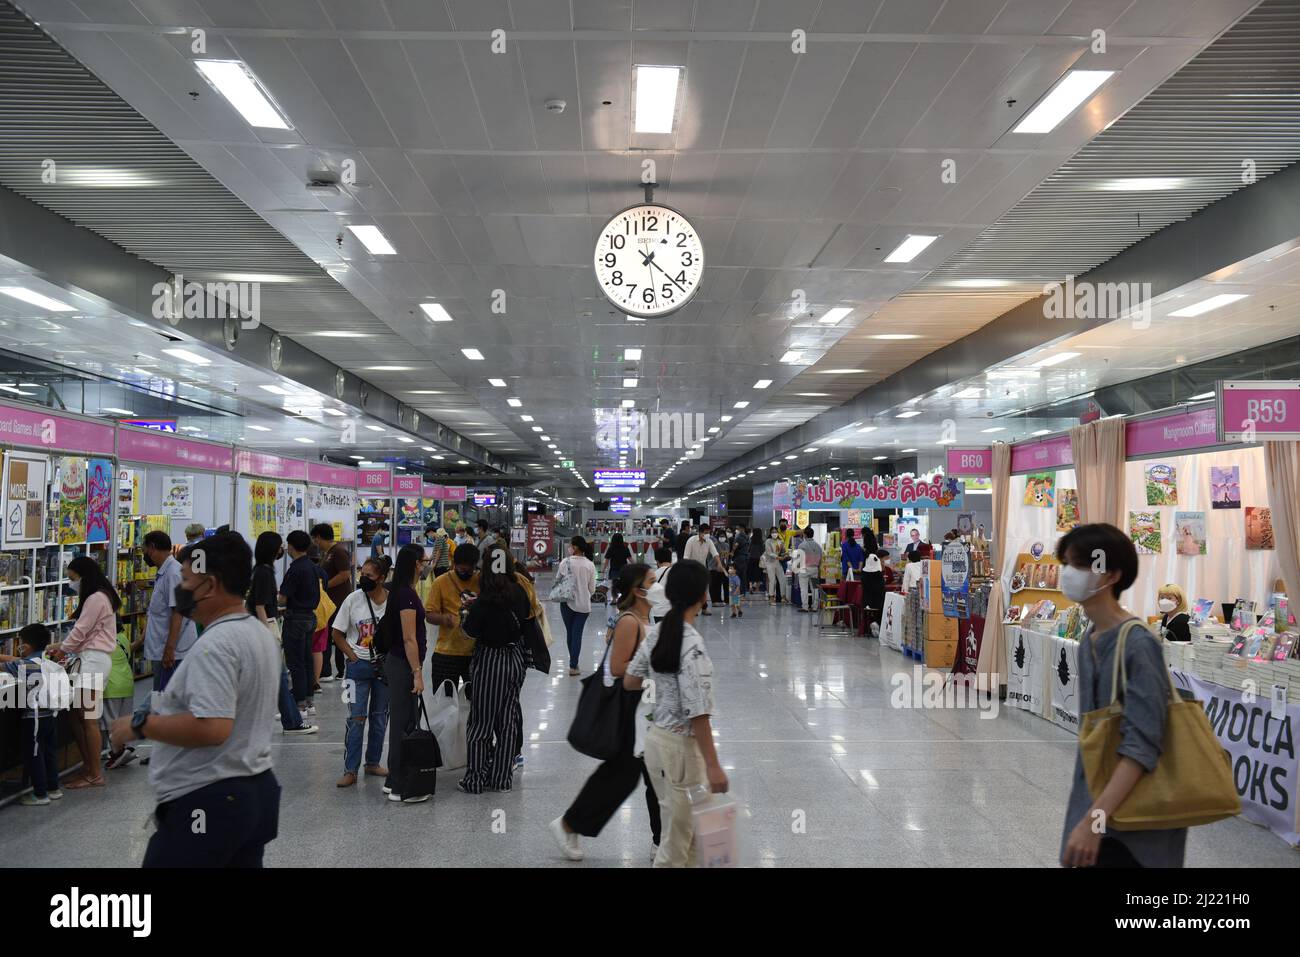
(80, 783)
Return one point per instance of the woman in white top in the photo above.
(582, 572)
(93, 639)
(773, 552)
(679, 750)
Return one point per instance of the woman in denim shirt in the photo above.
(1100, 563)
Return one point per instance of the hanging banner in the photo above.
(1025, 669)
(782, 495)
(72, 500)
(903, 492)
(178, 496)
(851, 518)
(955, 580)
(1064, 676)
(24, 500)
(99, 499)
(1261, 748)
(541, 529)
(800, 519)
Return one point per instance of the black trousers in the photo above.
(296, 636)
(609, 786)
(453, 668)
(495, 733)
(224, 824)
(402, 705)
(719, 587)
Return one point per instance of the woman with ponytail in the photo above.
(607, 788)
(679, 751)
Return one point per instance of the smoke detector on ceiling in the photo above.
(555, 106)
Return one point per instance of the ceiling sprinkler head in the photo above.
(555, 106)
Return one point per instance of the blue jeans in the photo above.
(290, 716)
(369, 698)
(574, 622)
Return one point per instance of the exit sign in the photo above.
(566, 463)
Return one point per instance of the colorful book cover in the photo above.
(1201, 610)
(72, 501)
(99, 499)
(1189, 532)
(1067, 509)
(1040, 489)
(1259, 528)
(1144, 530)
(1285, 643)
(1162, 484)
(1225, 486)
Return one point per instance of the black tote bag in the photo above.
(598, 724)
(421, 757)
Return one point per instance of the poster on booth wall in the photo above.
(1259, 528)
(1067, 509)
(1040, 490)
(261, 507)
(1065, 681)
(1144, 531)
(450, 517)
(1261, 749)
(431, 511)
(128, 492)
(99, 499)
(851, 518)
(1162, 484)
(24, 500)
(289, 515)
(178, 496)
(72, 501)
(955, 580)
(1225, 486)
(1189, 533)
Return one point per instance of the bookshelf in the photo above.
(135, 580)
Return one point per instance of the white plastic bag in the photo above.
(448, 718)
(715, 817)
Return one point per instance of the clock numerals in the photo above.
(649, 244)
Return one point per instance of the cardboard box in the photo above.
(940, 654)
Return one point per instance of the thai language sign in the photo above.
(905, 491)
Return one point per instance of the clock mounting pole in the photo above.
(649, 192)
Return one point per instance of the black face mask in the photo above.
(365, 583)
(464, 576)
(185, 601)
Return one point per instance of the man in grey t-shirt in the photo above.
(212, 725)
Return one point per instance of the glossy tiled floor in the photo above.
(832, 775)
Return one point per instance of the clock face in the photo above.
(649, 260)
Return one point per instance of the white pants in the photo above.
(808, 591)
(776, 582)
(676, 768)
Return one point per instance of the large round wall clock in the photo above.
(649, 260)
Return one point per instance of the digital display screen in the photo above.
(484, 499)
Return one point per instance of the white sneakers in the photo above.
(397, 798)
(567, 843)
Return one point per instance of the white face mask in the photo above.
(1166, 604)
(1079, 584)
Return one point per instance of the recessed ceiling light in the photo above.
(1062, 100)
(629, 403)
(725, 418)
(304, 440)
(834, 441)
(421, 392)
(546, 438)
(1203, 395)
(813, 395)
(762, 383)
(526, 418)
(1056, 359)
(375, 428)
(514, 403)
(435, 312)
(838, 371)
(1143, 184)
(879, 458)
(537, 428)
(107, 408)
(402, 438)
(811, 448)
(895, 336)
(1206, 305)
(775, 462)
(741, 405)
(390, 368)
(357, 458)
(833, 316)
(911, 247)
(910, 450)
(427, 448)
(794, 355)
(236, 82)
(462, 461)
(910, 413)
(996, 428)
(259, 428)
(714, 428)
(36, 299)
(375, 242)
(629, 383)
(979, 283)
(186, 356)
(478, 357)
(1042, 432)
(631, 355)
(656, 98)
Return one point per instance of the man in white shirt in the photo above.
(704, 550)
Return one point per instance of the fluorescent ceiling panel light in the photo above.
(427, 448)
(478, 357)
(547, 438)
(811, 448)
(910, 248)
(36, 299)
(834, 441)
(813, 395)
(656, 98)
(402, 438)
(186, 356)
(838, 371)
(1056, 359)
(725, 418)
(1206, 305)
(513, 403)
(741, 405)
(994, 429)
(1203, 395)
(375, 428)
(794, 355)
(304, 440)
(910, 413)
(979, 283)
(462, 462)
(714, 428)
(537, 428)
(1063, 99)
(335, 335)
(1143, 184)
(357, 458)
(629, 403)
(435, 312)
(390, 368)
(525, 418)
(969, 393)
(107, 408)
(833, 316)
(376, 242)
(896, 336)
(629, 383)
(911, 450)
(259, 428)
(762, 383)
(631, 355)
(879, 458)
(334, 412)
(235, 81)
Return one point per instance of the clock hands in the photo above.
(649, 261)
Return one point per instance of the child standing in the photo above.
(39, 715)
(119, 695)
(733, 581)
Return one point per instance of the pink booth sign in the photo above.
(163, 448)
(408, 486)
(1259, 411)
(318, 473)
(432, 491)
(266, 465)
(1180, 432)
(374, 481)
(41, 429)
(970, 462)
(454, 493)
(1051, 453)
